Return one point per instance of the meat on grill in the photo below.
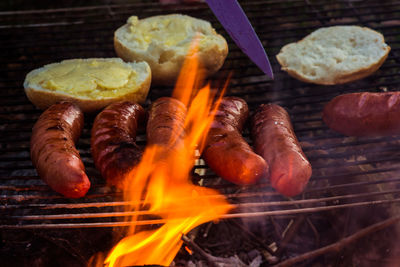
(275, 140)
(364, 114)
(53, 150)
(113, 140)
(165, 126)
(226, 151)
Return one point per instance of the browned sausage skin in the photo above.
(113, 140)
(364, 114)
(165, 126)
(275, 141)
(53, 149)
(226, 151)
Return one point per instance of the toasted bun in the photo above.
(164, 41)
(132, 82)
(334, 55)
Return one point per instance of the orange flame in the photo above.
(160, 187)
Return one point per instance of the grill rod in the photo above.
(347, 186)
(235, 206)
(226, 216)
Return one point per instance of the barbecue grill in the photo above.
(349, 174)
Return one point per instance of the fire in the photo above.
(160, 186)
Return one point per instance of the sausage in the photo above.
(53, 151)
(226, 151)
(275, 140)
(166, 123)
(364, 114)
(113, 140)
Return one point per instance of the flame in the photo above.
(188, 250)
(160, 186)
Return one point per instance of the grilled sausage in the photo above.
(275, 141)
(364, 114)
(53, 149)
(165, 126)
(113, 140)
(226, 151)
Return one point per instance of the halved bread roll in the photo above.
(334, 55)
(91, 83)
(164, 41)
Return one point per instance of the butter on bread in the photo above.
(334, 55)
(91, 83)
(164, 41)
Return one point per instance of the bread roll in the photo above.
(91, 83)
(334, 55)
(164, 41)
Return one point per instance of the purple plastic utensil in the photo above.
(236, 23)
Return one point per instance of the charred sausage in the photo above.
(226, 151)
(275, 140)
(364, 114)
(113, 140)
(166, 123)
(53, 150)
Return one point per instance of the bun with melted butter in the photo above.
(91, 83)
(164, 42)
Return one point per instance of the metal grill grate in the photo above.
(347, 172)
